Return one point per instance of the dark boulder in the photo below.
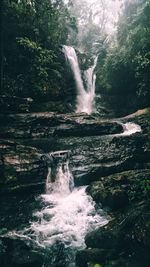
(118, 190)
(94, 256)
(14, 252)
(125, 239)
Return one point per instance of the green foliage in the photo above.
(38, 66)
(125, 66)
(97, 265)
(33, 32)
(145, 187)
(142, 71)
(140, 190)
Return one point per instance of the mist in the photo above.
(96, 20)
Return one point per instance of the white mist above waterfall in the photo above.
(85, 97)
(69, 213)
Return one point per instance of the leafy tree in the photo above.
(126, 65)
(33, 32)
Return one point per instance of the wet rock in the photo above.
(58, 256)
(118, 190)
(102, 238)
(106, 156)
(127, 238)
(17, 252)
(126, 193)
(89, 129)
(14, 252)
(42, 125)
(141, 117)
(27, 125)
(21, 168)
(119, 164)
(92, 255)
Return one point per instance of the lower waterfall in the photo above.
(58, 229)
(69, 212)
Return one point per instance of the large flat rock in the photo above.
(42, 125)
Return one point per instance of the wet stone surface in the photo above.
(114, 166)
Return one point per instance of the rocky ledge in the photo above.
(21, 168)
(119, 190)
(125, 195)
(116, 168)
(44, 125)
(125, 240)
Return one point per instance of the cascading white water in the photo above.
(71, 56)
(69, 212)
(85, 98)
(131, 128)
(90, 77)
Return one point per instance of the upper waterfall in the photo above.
(85, 97)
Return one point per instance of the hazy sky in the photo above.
(111, 10)
(107, 8)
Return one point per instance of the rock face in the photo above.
(126, 194)
(42, 125)
(92, 128)
(110, 155)
(16, 253)
(141, 117)
(116, 169)
(124, 242)
(21, 168)
(118, 190)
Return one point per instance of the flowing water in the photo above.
(67, 215)
(85, 97)
(69, 212)
(131, 128)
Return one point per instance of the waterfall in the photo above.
(63, 183)
(85, 98)
(68, 213)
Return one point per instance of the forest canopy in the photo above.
(124, 66)
(33, 32)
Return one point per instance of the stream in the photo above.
(57, 221)
(68, 214)
(64, 214)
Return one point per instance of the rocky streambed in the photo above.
(115, 167)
